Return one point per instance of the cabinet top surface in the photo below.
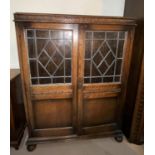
(14, 73)
(72, 19)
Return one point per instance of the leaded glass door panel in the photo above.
(51, 56)
(105, 54)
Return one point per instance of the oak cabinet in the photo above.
(74, 71)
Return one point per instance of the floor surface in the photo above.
(101, 146)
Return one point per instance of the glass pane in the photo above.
(68, 67)
(58, 80)
(68, 48)
(35, 81)
(44, 80)
(42, 33)
(67, 80)
(60, 70)
(120, 48)
(68, 35)
(122, 35)
(56, 34)
(118, 67)
(97, 58)
(96, 80)
(31, 48)
(86, 80)
(99, 35)
(111, 35)
(89, 35)
(108, 79)
(103, 56)
(87, 68)
(49, 55)
(88, 48)
(117, 78)
(30, 33)
(33, 68)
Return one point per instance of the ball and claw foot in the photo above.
(30, 148)
(119, 138)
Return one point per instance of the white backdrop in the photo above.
(84, 7)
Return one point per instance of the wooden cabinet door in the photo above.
(103, 67)
(48, 57)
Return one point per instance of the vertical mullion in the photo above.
(36, 52)
(91, 56)
(116, 56)
(51, 77)
(64, 42)
(105, 39)
(125, 39)
(29, 59)
(71, 60)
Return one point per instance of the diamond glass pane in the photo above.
(104, 52)
(49, 55)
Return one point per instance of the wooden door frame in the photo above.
(121, 86)
(31, 92)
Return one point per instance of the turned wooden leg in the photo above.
(32, 147)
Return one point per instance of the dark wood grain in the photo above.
(68, 19)
(137, 127)
(99, 111)
(52, 113)
(133, 127)
(17, 112)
